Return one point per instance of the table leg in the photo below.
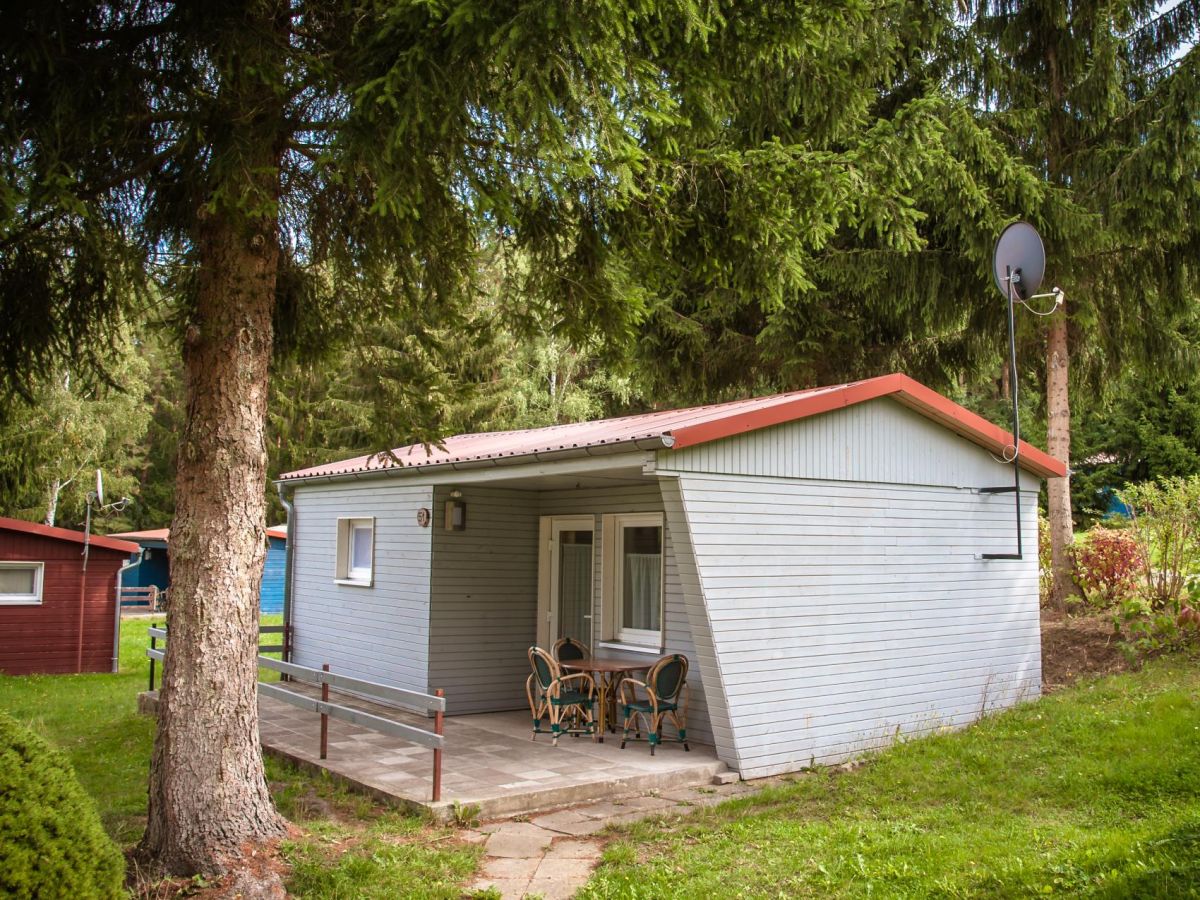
(602, 689)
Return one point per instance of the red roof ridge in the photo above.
(67, 534)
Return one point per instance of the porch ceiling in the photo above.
(607, 478)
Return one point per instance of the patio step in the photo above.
(530, 801)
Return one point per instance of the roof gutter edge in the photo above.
(658, 442)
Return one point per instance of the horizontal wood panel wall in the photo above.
(879, 440)
(483, 614)
(845, 613)
(597, 502)
(44, 638)
(381, 632)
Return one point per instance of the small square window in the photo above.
(356, 551)
(21, 583)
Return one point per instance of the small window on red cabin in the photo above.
(21, 583)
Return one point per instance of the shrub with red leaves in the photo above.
(1108, 566)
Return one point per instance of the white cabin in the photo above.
(819, 557)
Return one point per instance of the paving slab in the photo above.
(510, 868)
(520, 841)
(570, 849)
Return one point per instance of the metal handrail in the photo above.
(413, 700)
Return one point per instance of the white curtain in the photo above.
(643, 584)
(574, 590)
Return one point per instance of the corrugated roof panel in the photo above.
(690, 426)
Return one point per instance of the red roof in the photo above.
(150, 534)
(66, 534)
(680, 428)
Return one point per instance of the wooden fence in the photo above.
(414, 701)
(149, 598)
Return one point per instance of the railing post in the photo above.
(286, 656)
(324, 716)
(152, 647)
(438, 717)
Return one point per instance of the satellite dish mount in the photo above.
(1018, 266)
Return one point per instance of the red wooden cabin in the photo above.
(54, 617)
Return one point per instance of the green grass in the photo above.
(394, 856)
(94, 719)
(351, 847)
(1094, 792)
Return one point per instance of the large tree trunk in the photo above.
(208, 793)
(1058, 438)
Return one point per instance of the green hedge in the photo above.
(51, 841)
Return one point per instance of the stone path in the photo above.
(552, 854)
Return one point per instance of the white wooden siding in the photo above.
(641, 498)
(704, 662)
(844, 613)
(879, 440)
(379, 632)
(483, 615)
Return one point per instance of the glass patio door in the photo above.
(571, 568)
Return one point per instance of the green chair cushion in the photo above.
(570, 698)
(641, 707)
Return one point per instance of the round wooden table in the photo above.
(608, 672)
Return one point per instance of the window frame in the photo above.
(615, 631)
(39, 580)
(345, 572)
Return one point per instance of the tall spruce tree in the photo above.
(1102, 98)
(290, 169)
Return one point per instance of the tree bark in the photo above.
(52, 502)
(1058, 439)
(1058, 406)
(208, 792)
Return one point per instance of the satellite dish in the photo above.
(99, 488)
(1019, 251)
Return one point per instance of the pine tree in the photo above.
(1102, 98)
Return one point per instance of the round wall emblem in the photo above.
(424, 517)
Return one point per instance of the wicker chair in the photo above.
(568, 701)
(568, 650)
(665, 690)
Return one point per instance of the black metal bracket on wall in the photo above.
(1016, 490)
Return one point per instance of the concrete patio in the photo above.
(489, 761)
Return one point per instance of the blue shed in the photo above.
(271, 595)
(156, 570)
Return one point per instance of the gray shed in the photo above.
(818, 556)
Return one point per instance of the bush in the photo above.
(1045, 561)
(1165, 516)
(1109, 566)
(51, 841)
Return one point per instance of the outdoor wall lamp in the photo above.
(456, 512)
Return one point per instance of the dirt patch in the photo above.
(258, 873)
(1075, 647)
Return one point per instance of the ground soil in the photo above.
(257, 874)
(1077, 646)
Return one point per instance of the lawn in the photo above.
(351, 847)
(1094, 791)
